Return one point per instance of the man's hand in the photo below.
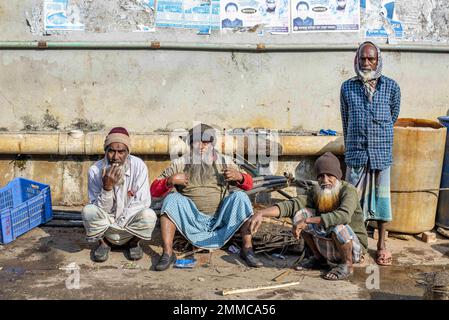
(298, 227)
(231, 174)
(179, 179)
(111, 177)
(256, 222)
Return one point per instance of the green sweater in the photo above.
(348, 212)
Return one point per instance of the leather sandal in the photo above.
(340, 272)
(250, 258)
(165, 261)
(101, 253)
(135, 252)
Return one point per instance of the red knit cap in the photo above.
(118, 134)
(119, 130)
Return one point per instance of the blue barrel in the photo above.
(442, 219)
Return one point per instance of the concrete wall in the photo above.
(151, 90)
(163, 90)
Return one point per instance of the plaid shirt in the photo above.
(368, 127)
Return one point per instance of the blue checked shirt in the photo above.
(368, 127)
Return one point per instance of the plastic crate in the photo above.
(24, 204)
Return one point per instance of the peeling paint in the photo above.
(85, 125)
(34, 19)
(117, 16)
(29, 124)
(48, 123)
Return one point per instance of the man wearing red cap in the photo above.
(329, 218)
(119, 211)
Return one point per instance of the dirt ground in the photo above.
(37, 266)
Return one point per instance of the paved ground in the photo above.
(34, 267)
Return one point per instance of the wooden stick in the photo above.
(190, 252)
(282, 275)
(289, 284)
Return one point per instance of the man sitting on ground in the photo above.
(329, 218)
(202, 209)
(119, 210)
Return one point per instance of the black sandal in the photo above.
(341, 272)
(312, 263)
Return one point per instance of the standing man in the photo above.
(369, 105)
(119, 196)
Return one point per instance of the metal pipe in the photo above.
(199, 46)
(67, 143)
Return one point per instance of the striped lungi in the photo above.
(325, 243)
(373, 187)
(205, 231)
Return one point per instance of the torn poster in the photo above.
(381, 20)
(325, 15)
(272, 15)
(62, 15)
(202, 15)
(149, 7)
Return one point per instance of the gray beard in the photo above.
(367, 75)
(201, 174)
(123, 169)
(327, 200)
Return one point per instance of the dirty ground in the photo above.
(35, 267)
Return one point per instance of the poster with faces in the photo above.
(269, 15)
(325, 15)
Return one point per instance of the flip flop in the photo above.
(384, 257)
(341, 272)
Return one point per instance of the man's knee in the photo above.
(90, 212)
(341, 235)
(175, 197)
(148, 216)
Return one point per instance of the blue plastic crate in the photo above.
(24, 204)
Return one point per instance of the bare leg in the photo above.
(247, 243)
(247, 252)
(103, 242)
(345, 251)
(311, 244)
(381, 226)
(168, 229)
(383, 256)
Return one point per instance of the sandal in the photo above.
(340, 272)
(312, 263)
(383, 257)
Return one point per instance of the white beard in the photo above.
(328, 200)
(367, 75)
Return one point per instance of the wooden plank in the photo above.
(282, 275)
(284, 285)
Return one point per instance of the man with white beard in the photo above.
(200, 205)
(119, 211)
(370, 104)
(328, 217)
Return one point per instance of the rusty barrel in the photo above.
(418, 153)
